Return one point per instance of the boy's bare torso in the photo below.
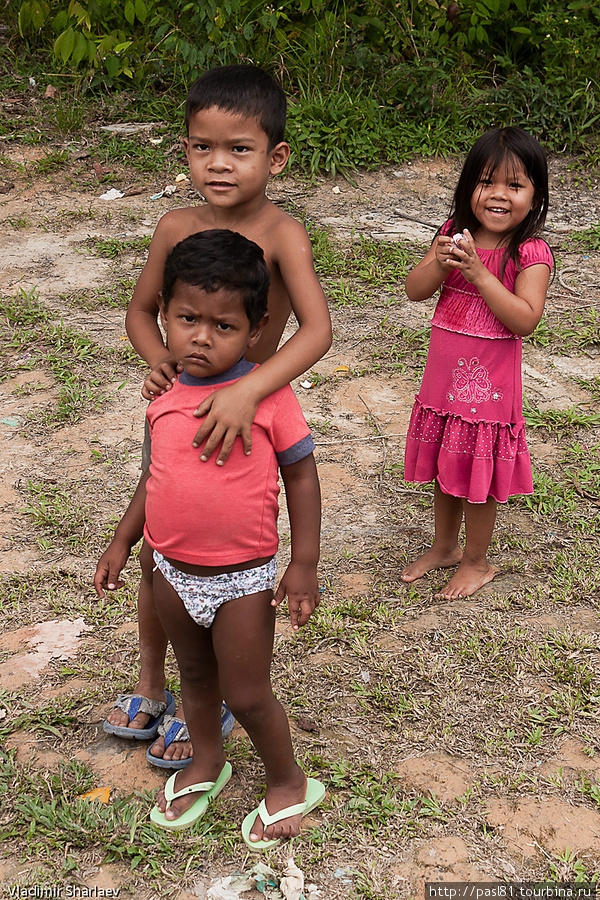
(268, 226)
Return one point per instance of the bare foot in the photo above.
(467, 579)
(120, 718)
(183, 778)
(431, 559)
(276, 799)
(177, 749)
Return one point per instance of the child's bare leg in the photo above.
(474, 570)
(200, 691)
(444, 551)
(153, 647)
(243, 641)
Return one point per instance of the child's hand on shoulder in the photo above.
(161, 379)
(299, 583)
(229, 412)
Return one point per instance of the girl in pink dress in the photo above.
(467, 430)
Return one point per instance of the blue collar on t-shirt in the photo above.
(242, 367)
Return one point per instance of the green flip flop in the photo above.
(315, 792)
(210, 789)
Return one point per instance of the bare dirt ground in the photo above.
(458, 741)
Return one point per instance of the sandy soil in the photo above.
(507, 812)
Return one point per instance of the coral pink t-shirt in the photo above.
(209, 515)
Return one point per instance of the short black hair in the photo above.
(242, 89)
(217, 259)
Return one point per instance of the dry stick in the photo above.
(382, 436)
(372, 437)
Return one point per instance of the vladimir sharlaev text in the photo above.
(50, 891)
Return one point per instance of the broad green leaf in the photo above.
(129, 12)
(80, 49)
(24, 18)
(113, 66)
(39, 13)
(141, 10)
(63, 45)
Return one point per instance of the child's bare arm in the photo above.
(231, 411)
(128, 532)
(141, 320)
(299, 581)
(428, 275)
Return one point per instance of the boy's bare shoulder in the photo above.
(283, 231)
(182, 221)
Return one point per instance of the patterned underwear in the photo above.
(203, 596)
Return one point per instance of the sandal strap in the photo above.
(133, 704)
(288, 812)
(171, 795)
(173, 729)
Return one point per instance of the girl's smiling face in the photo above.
(207, 331)
(501, 201)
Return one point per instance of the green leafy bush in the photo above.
(369, 81)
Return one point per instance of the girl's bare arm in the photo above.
(428, 275)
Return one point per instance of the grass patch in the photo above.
(559, 422)
(575, 332)
(112, 248)
(78, 365)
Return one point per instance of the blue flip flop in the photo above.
(315, 793)
(210, 790)
(133, 704)
(174, 729)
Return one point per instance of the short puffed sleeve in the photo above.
(535, 252)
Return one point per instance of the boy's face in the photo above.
(207, 332)
(229, 157)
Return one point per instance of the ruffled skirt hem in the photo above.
(471, 460)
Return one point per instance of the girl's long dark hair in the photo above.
(509, 146)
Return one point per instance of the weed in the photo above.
(590, 788)
(21, 221)
(328, 257)
(576, 331)
(551, 498)
(62, 514)
(559, 421)
(135, 152)
(378, 262)
(117, 295)
(51, 162)
(587, 240)
(590, 384)
(567, 867)
(113, 248)
(74, 400)
(69, 112)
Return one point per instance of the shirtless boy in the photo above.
(235, 121)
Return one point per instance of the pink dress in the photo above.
(467, 429)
